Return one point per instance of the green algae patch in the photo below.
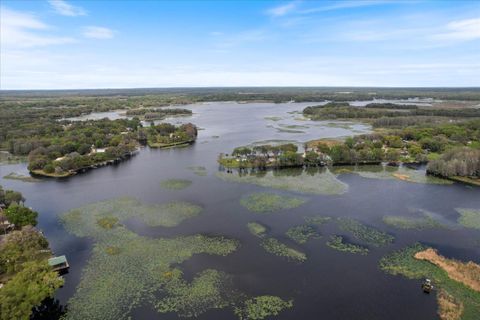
(317, 220)
(198, 170)
(175, 184)
(126, 270)
(261, 307)
(303, 233)
(403, 262)
(338, 243)
(277, 248)
(264, 202)
(297, 180)
(257, 229)
(469, 218)
(365, 233)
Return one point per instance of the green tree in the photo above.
(27, 289)
(21, 216)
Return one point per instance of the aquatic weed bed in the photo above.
(317, 220)
(401, 222)
(469, 218)
(257, 229)
(303, 233)
(175, 184)
(127, 270)
(198, 170)
(264, 202)
(277, 248)
(338, 243)
(365, 233)
(262, 307)
(298, 180)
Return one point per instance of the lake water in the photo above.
(330, 284)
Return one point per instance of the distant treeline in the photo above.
(391, 106)
(278, 94)
(344, 112)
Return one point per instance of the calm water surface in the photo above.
(330, 284)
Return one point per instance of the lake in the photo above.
(329, 284)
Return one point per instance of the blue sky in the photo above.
(60, 44)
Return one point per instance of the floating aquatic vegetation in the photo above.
(273, 118)
(365, 233)
(20, 177)
(211, 289)
(299, 180)
(302, 233)
(293, 126)
(289, 130)
(469, 218)
(175, 184)
(126, 269)
(273, 142)
(112, 250)
(426, 220)
(198, 170)
(257, 229)
(399, 173)
(264, 202)
(338, 243)
(261, 307)
(404, 262)
(107, 222)
(317, 220)
(277, 248)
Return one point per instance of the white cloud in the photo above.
(98, 32)
(24, 30)
(461, 30)
(66, 9)
(282, 10)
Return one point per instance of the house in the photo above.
(59, 263)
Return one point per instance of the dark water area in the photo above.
(329, 284)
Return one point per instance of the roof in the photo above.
(55, 261)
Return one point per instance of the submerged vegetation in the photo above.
(365, 233)
(317, 220)
(301, 234)
(425, 220)
(257, 229)
(277, 248)
(198, 170)
(263, 202)
(339, 243)
(175, 184)
(313, 180)
(469, 218)
(455, 298)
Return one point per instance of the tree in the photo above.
(12, 197)
(21, 216)
(20, 246)
(27, 289)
